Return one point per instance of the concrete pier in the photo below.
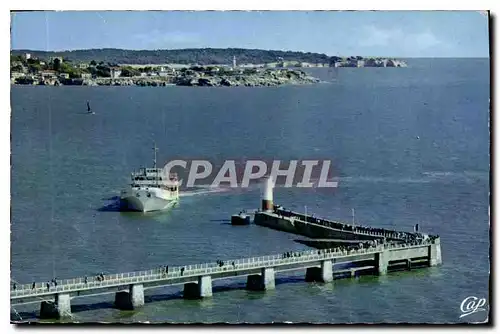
(264, 281)
(197, 278)
(320, 274)
(381, 263)
(321, 228)
(132, 299)
(60, 308)
(202, 289)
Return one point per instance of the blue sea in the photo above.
(408, 145)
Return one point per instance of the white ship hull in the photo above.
(151, 189)
(145, 201)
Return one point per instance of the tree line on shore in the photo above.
(204, 56)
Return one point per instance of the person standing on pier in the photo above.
(33, 286)
(14, 286)
(48, 286)
(166, 269)
(182, 271)
(85, 280)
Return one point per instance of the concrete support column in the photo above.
(435, 253)
(323, 274)
(60, 308)
(205, 285)
(327, 271)
(268, 278)
(198, 290)
(132, 299)
(381, 262)
(137, 295)
(264, 281)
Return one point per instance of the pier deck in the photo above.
(197, 278)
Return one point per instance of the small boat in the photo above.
(240, 219)
(88, 109)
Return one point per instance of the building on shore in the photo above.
(52, 59)
(115, 72)
(15, 75)
(165, 71)
(48, 74)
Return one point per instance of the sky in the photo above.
(341, 33)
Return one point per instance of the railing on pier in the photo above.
(195, 270)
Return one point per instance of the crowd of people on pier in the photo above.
(406, 237)
(54, 282)
(163, 270)
(346, 249)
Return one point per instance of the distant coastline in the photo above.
(201, 56)
(194, 67)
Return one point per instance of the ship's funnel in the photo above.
(267, 194)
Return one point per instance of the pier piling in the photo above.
(264, 281)
(130, 300)
(320, 274)
(202, 289)
(60, 308)
(381, 263)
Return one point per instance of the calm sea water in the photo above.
(410, 146)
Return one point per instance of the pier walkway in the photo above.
(197, 278)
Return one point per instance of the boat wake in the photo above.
(425, 177)
(205, 190)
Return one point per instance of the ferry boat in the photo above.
(150, 190)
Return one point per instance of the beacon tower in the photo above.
(267, 194)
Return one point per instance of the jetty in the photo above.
(319, 265)
(281, 219)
